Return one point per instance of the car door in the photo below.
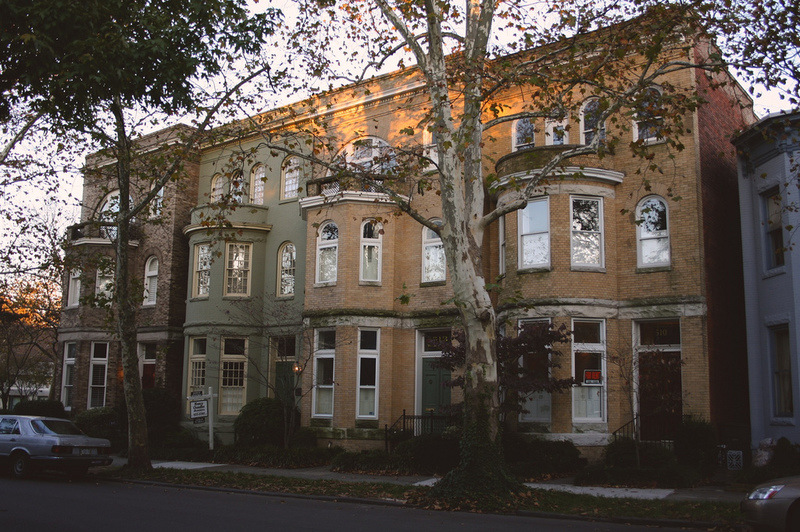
(9, 433)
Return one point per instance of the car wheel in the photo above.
(793, 517)
(20, 465)
(77, 472)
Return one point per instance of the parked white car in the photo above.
(31, 442)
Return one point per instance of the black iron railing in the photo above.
(409, 425)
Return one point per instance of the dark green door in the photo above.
(435, 393)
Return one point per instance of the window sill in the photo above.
(288, 200)
(653, 269)
(198, 298)
(369, 283)
(425, 284)
(284, 297)
(595, 269)
(233, 297)
(782, 422)
(535, 269)
(774, 272)
(323, 285)
(149, 305)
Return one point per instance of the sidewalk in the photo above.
(703, 493)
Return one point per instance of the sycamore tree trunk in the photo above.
(126, 302)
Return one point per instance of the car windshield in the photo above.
(55, 426)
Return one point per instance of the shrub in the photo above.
(103, 423)
(430, 454)
(370, 462)
(532, 457)
(260, 422)
(273, 456)
(786, 457)
(181, 444)
(46, 408)
(162, 410)
(303, 437)
(621, 453)
(696, 446)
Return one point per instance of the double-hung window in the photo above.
(150, 281)
(591, 125)
(434, 266)
(217, 188)
(97, 375)
(783, 399)
(653, 233)
(587, 232)
(773, 226)
(649, 120)
(257, 182)
(327, 253)
(290, 178)
(233, 376)
(524, 134)
(104, 285)
(588, 364)
(68, 375)
(74, 293)
(237, 269)
(287, 257)
(556, 133)
(534, 234)
(324, 357)
(196, 380)
(368, 364)
(371, 243)
(202, 270)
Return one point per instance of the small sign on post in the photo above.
(199, 411)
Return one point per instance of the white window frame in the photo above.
(237, 187)
(643, 235)
(368, 354)
(501, 246)
(257, 184)
(238, 263)
(96, 361)
(157, 203)
(533, 203)
(104, 283)
(430, 240)
(515, 143)
(240, 360)
(574, 233)
(319, 355)
(150, 281)
(327, 245)
(68, 384)
(201, 283)
(366, 243)
(540, 397)
(601, 129)
(772, 212)
(217, 191)
(290, 178)
(636, 128)
(556, 130)
(109, 209)
(594, 348)
(287, 270)
(74, 293)
(430, 151)
(196, 371)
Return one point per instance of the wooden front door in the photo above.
(435, 392)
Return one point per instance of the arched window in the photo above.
(648, 121)
(327, 252)
(556, 132)
(109, 208)
(524, 134)
(290, 178)
(238, 188)
(157, 203)
(258, 176)
(652, 232)
(371, 242)
(368, 158)
(287, 257)
(150, 281)
(217, 188)
(434, 265)
(590, 121)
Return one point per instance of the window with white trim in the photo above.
(501, 237)
(781, 355)
(556, 132)
(287, 259)
(233, 376)
(324, 356)
(368, 368)
(197, 365)
(429, 150)
(371, 250)
(158, 203)
(150, 281)
(434, 263)
(202, 270)
(68, 375)
(74, 289)
(238, 188)
(237, 269)
(587, 231)
(148, 353)
(534, 234)
(109, 209)
(773, 228)
(649, 120)
(258, 178)
(104, 284)
(524, 134)
(652, 233)
(591, 125)
(327, 253)
(290, 178)
(217, 188)
(589, 370)
(98, 371)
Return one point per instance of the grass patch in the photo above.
(533, 500)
